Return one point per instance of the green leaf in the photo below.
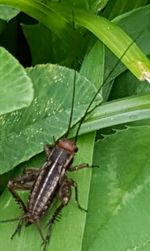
(127, 85)
(93, 64)
(113, 37)
(100, 5)
(119, 44)
(132, 23)
(16, 89)
(118, 216)
(108, 32)
(72, 218)
(38, 36)
(118, 7)
(2, 26)
(46, 118)
(116, 112)
(51, 47)
(7, 13)
(54, 21)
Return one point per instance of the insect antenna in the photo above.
(100, 88)
(72, 105)
(73, 92)
(13, 219)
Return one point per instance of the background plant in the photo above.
(67, 34)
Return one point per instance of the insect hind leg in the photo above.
(74, 184)
(64, 195)
(18, 229)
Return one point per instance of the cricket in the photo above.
(51, 181)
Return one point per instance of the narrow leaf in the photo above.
(108, 32)
(117, 112)
(113, 37)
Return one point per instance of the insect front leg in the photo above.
(81, 166)
(78, 167)
(47, 149)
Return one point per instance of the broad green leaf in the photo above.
(46, 118)
(119, 205)
(7, 13)
(16, 89)
(67, 233)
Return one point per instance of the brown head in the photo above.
(68, 145)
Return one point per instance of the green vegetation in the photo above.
(42, 43)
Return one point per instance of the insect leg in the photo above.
(18, 229)
(40, 230)
(12, 186)
(24, 182)
(74, 184)
(47, 149)
(31, 170)
(64, 195)
(81, 166)
(78, 167)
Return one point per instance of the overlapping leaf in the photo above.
(16, 90)
(109, 33)
(119, 203)
(7, 13)
(23, 133)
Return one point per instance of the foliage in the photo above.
(73, 34)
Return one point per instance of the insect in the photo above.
(51, 181)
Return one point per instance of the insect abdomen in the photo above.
(47, 184)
